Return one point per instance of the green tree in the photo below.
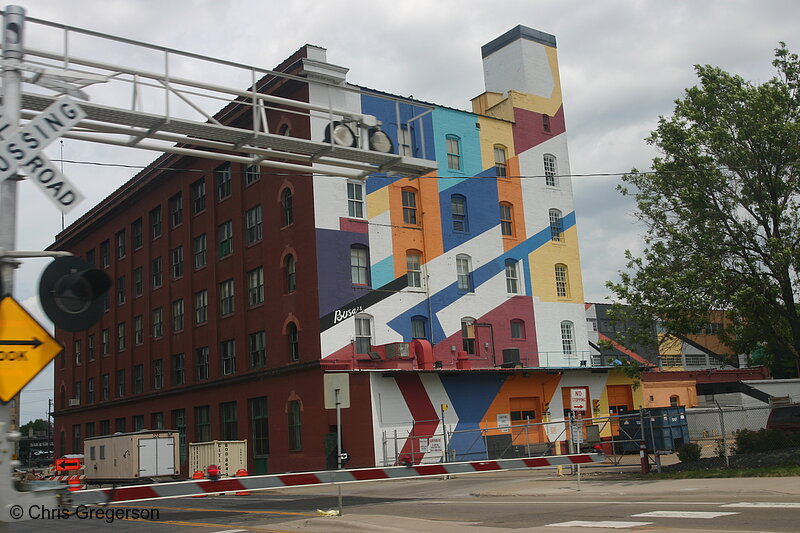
(720, 211)
(37, 425)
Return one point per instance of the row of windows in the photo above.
(257, 358)
(229, 427)
(355, 201)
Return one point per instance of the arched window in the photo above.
(453, 148)
(500, 160)
(512, 277)
(562, 281)
(363, 336)
(359, 265)
(419, 327)
(556, 226)
(464, 272)
(568, 337)
(458, 208)
(517, 329)
(286, 204)
(409, 199)
(414, 268)
(506, 219)
(290, 271)
(550, 171)
(293, 342)
(468, 334)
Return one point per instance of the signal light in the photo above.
(70, 291)
(213, 472)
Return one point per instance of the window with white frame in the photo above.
(255, 286)
(453, 148)
(201, 306)
(286, 206)
(506, 220)
(500, 160)
(359, 265)
(414, 269)
(227, 350)
(512, 277)
(464, 272)
(253, 225)
(226, 297)
(223, 175)
(225, 238)
(138, 330)
(568, 337)
(355, 199)
(258, 349)
(177, 262)
(458, 208)
(556, 226)
(562, 281)
(200, 246)
(158, 374)
(175, 204)
(468, 335)
(363, 337)
(252, 173)
(156, 272)
(158, 322)
(409, 200)
(177, 315)
(550, 171)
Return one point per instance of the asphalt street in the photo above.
(480, 503)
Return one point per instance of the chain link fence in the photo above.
(663, 429)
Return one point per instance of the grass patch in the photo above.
(769, 471)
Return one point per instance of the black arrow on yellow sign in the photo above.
(35, 342)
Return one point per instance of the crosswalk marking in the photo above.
(765, 505)
(683, 514)
(605, 523)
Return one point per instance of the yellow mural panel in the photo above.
(377, 202)
(542, 263)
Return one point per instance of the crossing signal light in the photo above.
(213, 472)
(71, 291)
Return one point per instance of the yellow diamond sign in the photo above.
(25, 348)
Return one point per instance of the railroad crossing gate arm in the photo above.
(183, 489)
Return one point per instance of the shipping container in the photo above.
(228, 455)
(143, 455)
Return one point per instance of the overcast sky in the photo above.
(622, 64)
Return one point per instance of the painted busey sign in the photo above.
(359, 305)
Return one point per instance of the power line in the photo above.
(526, 176)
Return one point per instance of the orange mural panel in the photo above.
(420, 230)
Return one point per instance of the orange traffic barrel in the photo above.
(75, 483)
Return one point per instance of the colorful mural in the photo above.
(479, 257)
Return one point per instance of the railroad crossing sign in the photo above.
(21, 152)
(25, 348)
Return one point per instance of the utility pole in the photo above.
(14, 505)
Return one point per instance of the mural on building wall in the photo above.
(479, 415)
(481, 257)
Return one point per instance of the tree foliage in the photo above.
(720, 211)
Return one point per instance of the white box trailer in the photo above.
(228, 455)
(132, 456)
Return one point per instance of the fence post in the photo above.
(724, 435)
(485, 439)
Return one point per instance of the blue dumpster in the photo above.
(665, 429)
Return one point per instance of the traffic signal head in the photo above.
(71, 291)
(213, 472)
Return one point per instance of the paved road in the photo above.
(480, 503)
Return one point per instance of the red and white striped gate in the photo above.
(180, 489)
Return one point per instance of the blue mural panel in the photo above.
(470, 396)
